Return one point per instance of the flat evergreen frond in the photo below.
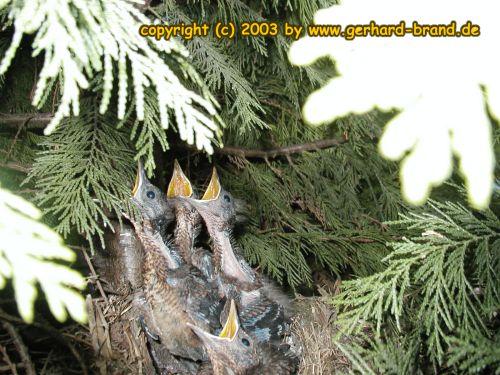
(31, 253)
(473, 352)
(296, 222)
(391, 355)
(23, 149)
(149, 132)
(210, 57)
(433, 268)
(84, 168)
(244, 67)
(81, 40)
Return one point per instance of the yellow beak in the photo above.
(139, 177)
(179, 185)
(213, 188)
(231, 327)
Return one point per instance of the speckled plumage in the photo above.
(177, 293)
(234, 352)
(261, 316)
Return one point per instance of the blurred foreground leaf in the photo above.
(437, 84)
(29, 253)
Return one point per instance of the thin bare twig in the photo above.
(280, 151)
(14, 141)
(21, 348)
(94, 273)
(54, 333)
(44, 118)
(10, 366)
(16, 166)
(32, 120)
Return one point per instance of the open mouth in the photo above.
(213, 188)
(179, 185)
(231, 327)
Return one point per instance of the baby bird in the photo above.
(150, 200)
(234, 352)
(261, 315)
(176, 295)
(188, 223)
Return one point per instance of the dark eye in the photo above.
(245, 342)
(150, 194)
(227, 198)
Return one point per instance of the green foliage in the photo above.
(80, 40)
(76, 173)
(317, 206)
(475, 352)
(394, 355)
(247, 73)
(441, 280)
(441, 115)
(29, 253)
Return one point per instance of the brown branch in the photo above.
(21, 348)
(16, 166)
(53, 332)
(280, 151)
(10, 366)
(32, 120)
(42, 119)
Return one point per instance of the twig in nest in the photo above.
(47, 360)
(21, 348)
(94, 274)
(9, 365)
(54, 333)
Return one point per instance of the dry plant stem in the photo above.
(9, 365)
(16, 166)
(21, 348)
(94, 273)
(53, 332)
(281, 151)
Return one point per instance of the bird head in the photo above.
(149, 198)
(233, 348)
(217, 206)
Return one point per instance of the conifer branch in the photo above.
(16, 166)
(281, 151)
(33, 120)
(42, 119)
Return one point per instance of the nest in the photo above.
(313, 329)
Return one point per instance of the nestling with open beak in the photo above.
(234, 352)
(188, 223)
(261, 308)
(217, 208)
(176, 295)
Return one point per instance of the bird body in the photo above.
(176, 293)
(234, 352)
(169, 315)
(188, 220)
(261, 316)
